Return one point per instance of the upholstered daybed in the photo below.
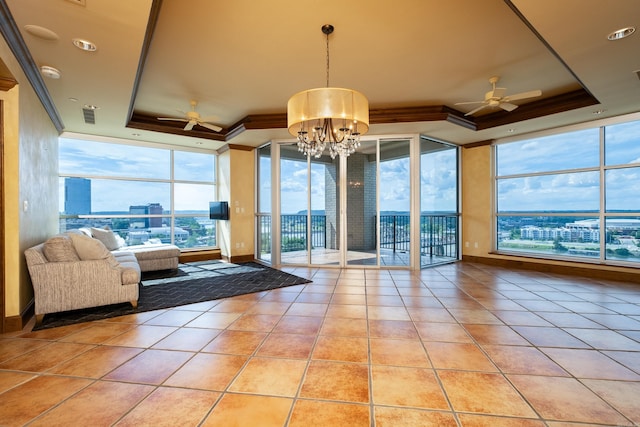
(73, 270)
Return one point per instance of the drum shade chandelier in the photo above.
(328, 117)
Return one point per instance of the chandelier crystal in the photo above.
(328, 117)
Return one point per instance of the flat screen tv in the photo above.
(219, 210)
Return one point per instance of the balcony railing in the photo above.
(438, 233)
(294, 232)
(395, 232)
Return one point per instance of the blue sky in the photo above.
(574, 191)
(115, 160)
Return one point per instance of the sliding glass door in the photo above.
(395, 202)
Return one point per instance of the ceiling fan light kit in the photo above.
(328, 117)
(496, 98)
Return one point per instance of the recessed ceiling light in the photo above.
(135, 134)
(72, 99)
(511, 130)
(41, 32)
(85, 45)
(598, 112)
(50, 72)
(621, 33)
(91, 107)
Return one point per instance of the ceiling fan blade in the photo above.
(469, 102)
(210, 126)
(523, 95)
(507, 106)
(175, 119)
(190, 125)
(476, 109)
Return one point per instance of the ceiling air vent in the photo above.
(89, 115)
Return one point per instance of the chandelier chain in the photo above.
(327, 38)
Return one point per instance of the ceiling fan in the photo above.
(495, 98)
(193, 118)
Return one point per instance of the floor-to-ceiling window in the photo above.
(143, 193)
(572, 194)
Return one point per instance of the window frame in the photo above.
(602, 215)
(171, 181)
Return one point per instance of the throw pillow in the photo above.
(121, 242)
(106, 236)
(59, 249)
(85, 230)
(91, 249)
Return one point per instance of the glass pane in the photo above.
(189, 166)
(395, 203)
(560, 193)
(264, 237)
(438, 196)
(195, 232)
(438, 177)
(623, 239)
(109, 196)
(264, 179)
(92, 158)
(622, 189)
(622, 143)
(193, 198)
(361, 205)
(573, 150)
(548, 235)
(325, 211)
(293, 205)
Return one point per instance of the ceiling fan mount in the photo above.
(192, 118)
(496, 98)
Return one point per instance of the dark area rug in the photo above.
(191, 283)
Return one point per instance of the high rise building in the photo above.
(77, 196)
(155, 209)
(148, 209)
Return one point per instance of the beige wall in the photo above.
(236, 181)
(476, 201)
(30, 175)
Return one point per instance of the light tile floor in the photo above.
(458, 345)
